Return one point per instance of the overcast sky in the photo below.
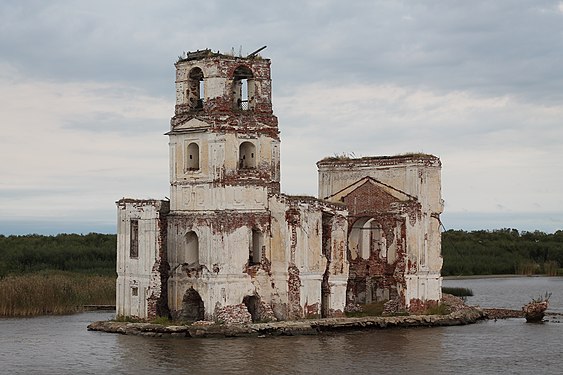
(87, 92)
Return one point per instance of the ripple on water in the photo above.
(62, 345)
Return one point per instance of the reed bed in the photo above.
(457, 291)
(47, 293)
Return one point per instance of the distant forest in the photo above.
(504, 251)
(90, 253)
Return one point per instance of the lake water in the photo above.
(511, 292)
(62, 345)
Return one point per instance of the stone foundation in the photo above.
(464, 316)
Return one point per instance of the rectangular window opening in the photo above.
(134, 239)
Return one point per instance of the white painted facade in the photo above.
(141, 225)
(228, 237)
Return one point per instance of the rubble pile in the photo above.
(233, 314)
(535, 310)
(266, 313)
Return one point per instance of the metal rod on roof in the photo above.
(256, 52)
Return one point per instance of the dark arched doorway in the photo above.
(192, 306)
(253, 305)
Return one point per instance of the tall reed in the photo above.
(551, 268)
(457, 291)
(53, 293)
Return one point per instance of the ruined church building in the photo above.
(229, 246)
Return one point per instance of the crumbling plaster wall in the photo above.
(220, 184)
(297, 224)
(408, 190)
(289, 276)
(335, 277)
(219, 71)
(223, 253)
(141, 279)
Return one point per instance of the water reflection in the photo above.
(62, 345)
(362, 352)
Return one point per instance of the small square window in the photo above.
(134, 291)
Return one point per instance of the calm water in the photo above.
(62, 345)
(512, 292)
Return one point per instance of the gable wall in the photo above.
(403, 261)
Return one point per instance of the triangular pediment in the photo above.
(369, 183)
(371, 197)
(191, 124)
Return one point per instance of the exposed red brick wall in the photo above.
(418, 306)
(294, 293)
(226, 221)
(370, 200)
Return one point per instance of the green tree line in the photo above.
(92, 253)
(504, 251)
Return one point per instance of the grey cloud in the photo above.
(25, 193)
(491, 47)
(482, 48)
(102, 122)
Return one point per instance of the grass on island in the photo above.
(370, 309)
(457, 291)
(53, 292)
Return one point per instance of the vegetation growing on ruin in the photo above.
(350, 156)
(504, 251)
(439, 309)
(370, 309)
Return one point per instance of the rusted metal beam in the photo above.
(255, 52)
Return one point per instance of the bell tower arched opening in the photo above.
(243, 88)
(195, 92)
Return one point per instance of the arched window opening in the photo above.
(255, 248)
(243, 88)
(366, 237)
(191, 249)
(192, 157)
(195, 88)
(247, 159)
